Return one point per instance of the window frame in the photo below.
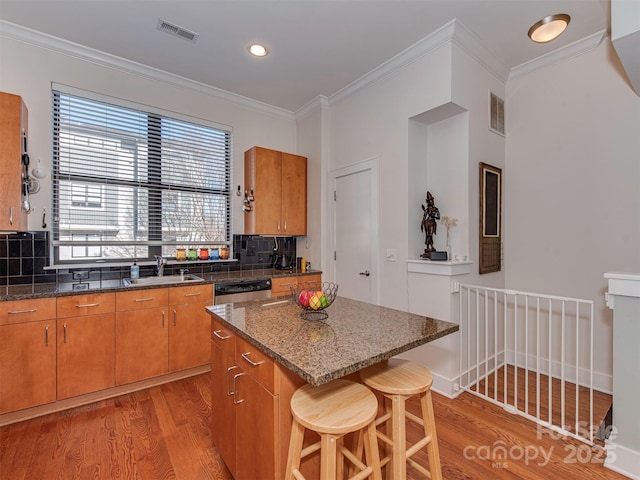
(219, 192)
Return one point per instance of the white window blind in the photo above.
(131, 184)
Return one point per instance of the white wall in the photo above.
(28, 70)
(572, 183)
(423, 106)
(310, 128)
(374, 123)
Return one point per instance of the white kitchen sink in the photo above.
(165, 280)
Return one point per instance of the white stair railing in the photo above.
(530, 353)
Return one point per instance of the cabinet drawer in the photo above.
(20, 311)
(281, 286)
(139, 299)
(223, 337)
(257, 364)
(311, 281)
(81, 305)
(191, 294)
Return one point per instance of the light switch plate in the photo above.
(392, 255)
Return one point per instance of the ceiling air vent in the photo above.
(177, 31)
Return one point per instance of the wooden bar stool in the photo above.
(398, 380)
(333, 410)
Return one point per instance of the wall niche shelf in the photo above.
(415, 265)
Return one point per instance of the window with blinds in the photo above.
(129, 184)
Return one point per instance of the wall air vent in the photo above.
(177, 31)
(496, 114)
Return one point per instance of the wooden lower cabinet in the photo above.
(189, 326)
(86, 354)
(27, 353)
(188, 336)
(27, 364)
(86, 343)
(58, 348)
(142, 340)
(223, 410)
(245, 407)
(250, 409)
(256, 429)
(281, 286)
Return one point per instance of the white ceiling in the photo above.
(317, 47)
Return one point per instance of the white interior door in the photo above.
(355, 215)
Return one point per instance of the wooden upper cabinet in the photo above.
(13, 122)
(278, 182)
(294, 194)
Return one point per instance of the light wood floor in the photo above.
(163, 433)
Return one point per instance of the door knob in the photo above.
(365, 273)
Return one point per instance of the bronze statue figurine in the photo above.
(429, 225)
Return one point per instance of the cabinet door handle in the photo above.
(10, 215)
(285, 225)
(235, 390)
(229, 392)
(191, 294)
(46, 336)
(17, 312)
(221, 337)
(143, 299)
(64, 333)
(163, 319)
(87, 305)
(278, 225)
(251, 362)
(174, 318)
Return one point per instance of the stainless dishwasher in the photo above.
(242, 291)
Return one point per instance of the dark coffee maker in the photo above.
(282, 262)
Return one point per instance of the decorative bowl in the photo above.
(314, 298)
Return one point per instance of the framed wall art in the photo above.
(490, 218)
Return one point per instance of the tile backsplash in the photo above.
(254, 251)
(23, 257)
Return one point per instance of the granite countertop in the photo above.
(356, 334)
(44, 290)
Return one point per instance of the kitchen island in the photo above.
(262, 351)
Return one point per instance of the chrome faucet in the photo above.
(160, 263)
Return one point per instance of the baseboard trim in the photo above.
(623, 460)
(447, 387)
(58, 406)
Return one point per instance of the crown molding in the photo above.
(454, 31)
(574, 49)
(318, 103)
(468, 41)
(407, 56)
(81, 52)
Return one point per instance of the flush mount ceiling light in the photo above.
(549, 28)
(258, 50)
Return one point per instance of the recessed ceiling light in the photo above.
(549, 28)
(258, 50)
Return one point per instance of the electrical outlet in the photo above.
(392, 255)
(80, 274)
